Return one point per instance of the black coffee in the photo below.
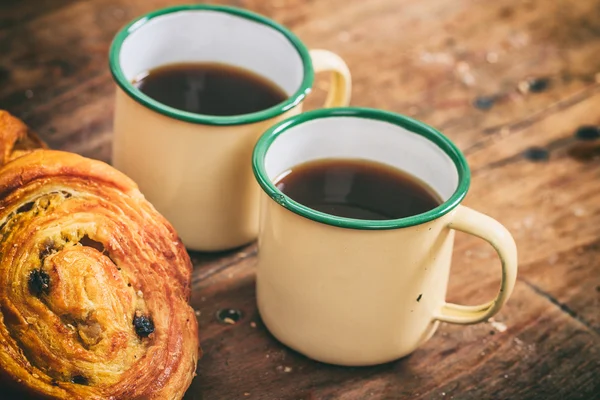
(358, 189)
(210, 89)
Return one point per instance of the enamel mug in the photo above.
(196, 169)
(361, 292)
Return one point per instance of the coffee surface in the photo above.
(210, 89)
(357, 189)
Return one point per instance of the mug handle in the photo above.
(475, 223)
(341, 82)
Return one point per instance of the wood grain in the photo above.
(462, 66)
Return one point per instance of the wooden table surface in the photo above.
(514, 83)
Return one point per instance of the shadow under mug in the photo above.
(360, 292)
(195, 169)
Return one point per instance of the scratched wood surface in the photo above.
(514, 83)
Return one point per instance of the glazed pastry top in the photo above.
(94, 282)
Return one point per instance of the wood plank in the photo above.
(553, 130)
(551, 208)
(59, 58)
(436, 70)
(472, 362)
(16, 12)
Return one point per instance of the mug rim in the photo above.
(262, 115)
(412, 125)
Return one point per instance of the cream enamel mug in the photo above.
(359, 292)
(196, 169)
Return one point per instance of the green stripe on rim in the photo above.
(137, 95)
(417, 127)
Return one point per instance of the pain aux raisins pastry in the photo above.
(94, 282)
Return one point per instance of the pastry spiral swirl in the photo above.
(94, 282)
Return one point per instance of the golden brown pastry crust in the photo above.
(16, 139)
(94, 283)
